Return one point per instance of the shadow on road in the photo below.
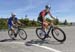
(9, 40)
(40, 42)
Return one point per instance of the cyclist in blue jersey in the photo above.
(12, 22)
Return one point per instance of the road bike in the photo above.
(18, 31)
(56, 32)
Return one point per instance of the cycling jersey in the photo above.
(42, 14)
(10, 21)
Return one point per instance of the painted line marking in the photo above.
(45, 47)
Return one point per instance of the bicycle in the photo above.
(42, 34)
(18, 31)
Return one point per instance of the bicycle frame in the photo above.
(18, 28)
(50, 28)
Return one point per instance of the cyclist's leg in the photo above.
(51, 23)
(45, 25)
(12, 29)
(46, 28)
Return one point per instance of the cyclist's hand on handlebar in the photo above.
(54, 18)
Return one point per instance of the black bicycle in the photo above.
(18, 31)
(56, 32)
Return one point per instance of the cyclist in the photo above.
(42, 15)
(12, 22)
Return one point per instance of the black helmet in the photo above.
(48, 6)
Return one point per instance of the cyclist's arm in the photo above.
(19, 22)
(51, 16)
(13, 23)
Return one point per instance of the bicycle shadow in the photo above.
(9, 40)
(41, 42)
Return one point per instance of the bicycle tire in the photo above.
(11, 34)
(25, 34)
(39, 34)
(64, 38)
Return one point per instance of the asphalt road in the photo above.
(34, 44)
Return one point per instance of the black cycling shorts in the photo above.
(40, 19)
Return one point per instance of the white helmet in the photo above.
(13, 14)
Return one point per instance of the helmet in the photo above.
(48, 6)
(13, 14)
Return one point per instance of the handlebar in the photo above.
(18, 25)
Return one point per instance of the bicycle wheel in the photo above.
(40, 33)
(58, 34)
(11, 34)
(22, 34)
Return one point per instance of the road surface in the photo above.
(34, 44)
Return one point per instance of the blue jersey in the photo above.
(10, 21)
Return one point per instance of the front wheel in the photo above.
(40, 33)
(58, 34)
(22, 34)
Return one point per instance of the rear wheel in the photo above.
(22, 34)
(58, 34)
(11, 34)
(40, 33)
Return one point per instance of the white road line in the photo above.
(45, 47)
